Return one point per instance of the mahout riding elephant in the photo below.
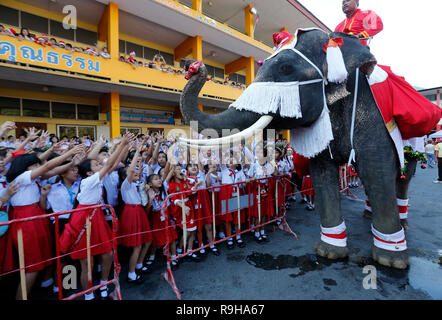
(290, 92)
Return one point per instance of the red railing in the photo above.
(23, 266)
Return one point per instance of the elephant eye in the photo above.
(286, 68)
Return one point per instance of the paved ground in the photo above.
(286, 268)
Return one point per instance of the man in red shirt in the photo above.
(363, 24)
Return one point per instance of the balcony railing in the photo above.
(31, 56)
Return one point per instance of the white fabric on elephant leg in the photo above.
(335, 236)
(403, 208)
(391, 242)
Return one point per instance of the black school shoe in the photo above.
(137, 280)
(265, 238)
(174, 264)
(215, 251)
(240, 243)
(230, 244)
(193, 257)
(258, 238)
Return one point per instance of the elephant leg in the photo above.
(379, 177)
(325, 176)
(402, 186)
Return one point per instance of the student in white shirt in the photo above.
(37, 242)
(260, 169)
(231, 175)
(61, 198)
(213, 178)
(134, 226)
(91, 191)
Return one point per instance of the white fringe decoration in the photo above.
(337, 72)
(271, 97)
(311, 141)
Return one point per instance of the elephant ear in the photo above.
(355, 54)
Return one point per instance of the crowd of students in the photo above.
(134, 174)
(158, 62)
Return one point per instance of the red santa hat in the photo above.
(337, 72)
(132, 53)
(45, 36)
(281, 38)
(12, 31)
(61, 43)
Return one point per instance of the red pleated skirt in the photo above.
(37, 238)
(202, 203)
(177, 213)
(134, 228)
(267, 205)
(101, 234)
(307, 186)
(8, 256)
(162, 235)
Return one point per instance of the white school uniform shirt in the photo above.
(282, 167)
(91, 190)
(130, 193)
(28, 193)
(155, 168)
(110, 182)
(260, 171)
(228, 178)
(60, 198)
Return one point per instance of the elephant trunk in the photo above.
(229, 119)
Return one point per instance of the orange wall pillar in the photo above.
(108, 29)
(248, 20)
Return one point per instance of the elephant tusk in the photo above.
(245, 134)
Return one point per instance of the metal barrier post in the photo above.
(213, 215)
(21, 257)
(259, 204)
(277, 203)
(57, 252)
(88, 243)
(239, 211)
(184, 223)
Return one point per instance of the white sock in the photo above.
(238, 237)
(179, 251)
(132, 275)
(55, 289)
(222, 235)
(151, 258)
(262, 232)
(212, 246)
(47, 283)
(173, 256)
(139, 266)
(99, 267)
(89, 296)
(256, 233)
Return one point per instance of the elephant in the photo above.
(377, 162)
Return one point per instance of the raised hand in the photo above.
(13, 188)
(6, 127)
(78, 158)
(31, 133)
(57, 147)
(45, 190)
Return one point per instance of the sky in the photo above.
(411, 41)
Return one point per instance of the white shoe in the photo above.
(437, 181)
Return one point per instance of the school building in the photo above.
(73, 93)
(433, 94)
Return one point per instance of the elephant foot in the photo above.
(367, 214)
(398, 260)
(329, 251)
(404, 224)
